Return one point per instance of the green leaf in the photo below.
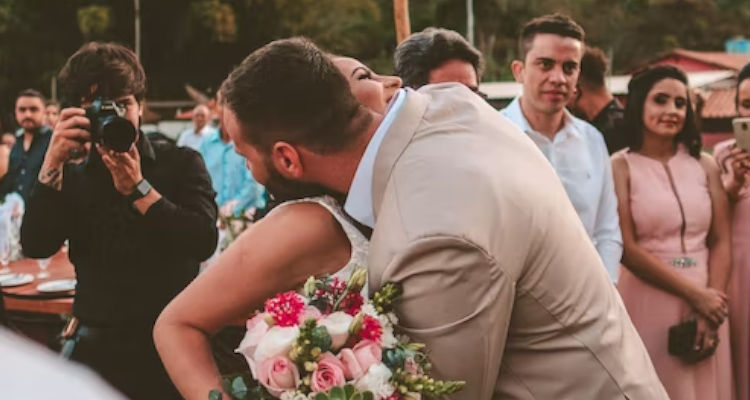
(337, 393)
(215, 394)
(321, 396)
(356, 396)
(349, 390)
(367, 396)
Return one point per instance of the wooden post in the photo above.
(401, 19)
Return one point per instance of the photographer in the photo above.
(139, 218)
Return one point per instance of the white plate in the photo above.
(9, 280)
(61, 285)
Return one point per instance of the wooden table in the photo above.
(27, 298)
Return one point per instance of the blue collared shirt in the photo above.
(359, 201)
(230, 177)
(579, 155)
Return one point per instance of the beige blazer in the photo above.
(500, 278)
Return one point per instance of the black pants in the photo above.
(127, 359)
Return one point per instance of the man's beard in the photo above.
(283, 189)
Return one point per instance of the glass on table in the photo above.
(43, 263)
(4, 256)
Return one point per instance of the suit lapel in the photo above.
(399, 135)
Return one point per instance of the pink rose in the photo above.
(358, 360)
(278, 374)
(309, 312)
(329, 373)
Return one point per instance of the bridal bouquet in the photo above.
(331, 343)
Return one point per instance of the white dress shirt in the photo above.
(579, 155)
(359, 200)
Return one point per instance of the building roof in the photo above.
(719, 103)
(715, 59)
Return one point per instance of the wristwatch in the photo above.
(142, 188)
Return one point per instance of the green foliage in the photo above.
(218, 18)
(385, 298)
(348, 392)
(240, 387)
(94, 21)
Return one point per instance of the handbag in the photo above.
(682, 342)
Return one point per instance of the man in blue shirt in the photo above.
(30, 147)
(231, 179)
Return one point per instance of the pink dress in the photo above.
(739, 283)
(660, 195)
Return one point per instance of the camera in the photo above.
(109, 127)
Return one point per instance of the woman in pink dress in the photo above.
(735, 167)
(676, 235)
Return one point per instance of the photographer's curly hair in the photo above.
(113, 69)
(638, 88)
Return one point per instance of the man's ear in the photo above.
(287, 161)
(517, 67)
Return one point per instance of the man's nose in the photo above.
(557, 75)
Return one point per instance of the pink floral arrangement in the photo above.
(331, 341)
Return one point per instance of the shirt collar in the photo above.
(359, 200)
(515, 114)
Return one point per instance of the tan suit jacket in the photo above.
(500, 279)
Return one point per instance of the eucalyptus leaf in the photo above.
(321, 396)
(215, 394)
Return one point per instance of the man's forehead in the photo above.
(29, 101)
(553, 46)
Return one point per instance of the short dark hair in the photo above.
(112, 67)
(289, 90)
(638, 89)
(424, 51)
(744, 74)
(594, 66)
(557, 24)
(31, 93)
(52, 103)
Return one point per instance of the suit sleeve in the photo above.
(458, 302)
(186, 223)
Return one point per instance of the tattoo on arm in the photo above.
(51, 177)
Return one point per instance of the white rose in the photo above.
(276, 342)
(256, 330)
(337, 325)
(376, 381)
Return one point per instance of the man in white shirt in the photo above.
(551, 48)
(193, 137)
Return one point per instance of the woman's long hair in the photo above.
(638, 88)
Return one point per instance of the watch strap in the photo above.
(142, 188)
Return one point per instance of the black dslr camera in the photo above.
(109, 127)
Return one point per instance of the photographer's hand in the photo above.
(124, 167)
(68, 141)
(126, 174)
